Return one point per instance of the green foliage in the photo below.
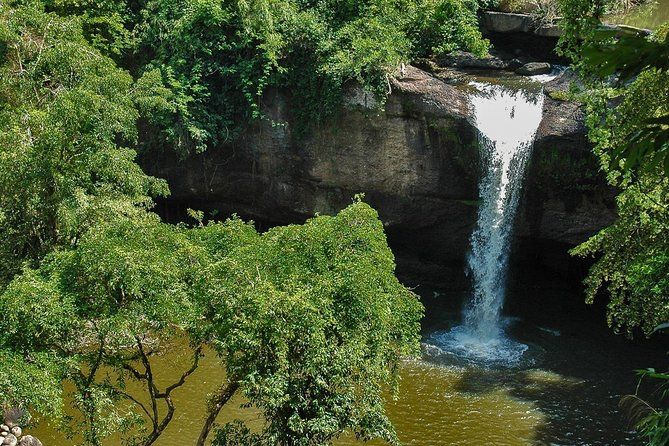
(211, 62)
(579, 20)
(93, 285)
(126, 280)
(632, 253)
(105, 23)
(313, 323)
(645, 62)
(633, 258)
(628, 112)
(67, 116)
(301, 310)
(31, 382)
(438, 33)
(655, 428)
(651, 423)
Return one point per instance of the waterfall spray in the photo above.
(507, 121)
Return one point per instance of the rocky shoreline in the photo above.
(11, 434)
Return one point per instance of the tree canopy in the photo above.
(309, 320)
(208, 63)
(627, 77)
(94, 285)
(627, 98)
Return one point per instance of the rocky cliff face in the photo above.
(417, 163)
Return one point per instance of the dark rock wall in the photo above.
(417, 163)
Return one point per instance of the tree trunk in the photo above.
(219, 400)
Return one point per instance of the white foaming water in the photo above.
(507, 121)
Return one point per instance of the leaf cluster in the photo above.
(209, 63)
(309, 320)
(627, 102)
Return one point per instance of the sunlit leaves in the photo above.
(67, 113)
(32, 382)
(300, 310)
(626, 57)
(628, 106)
(218, 59)
(309, 320)
(625, 54)
(313, 323)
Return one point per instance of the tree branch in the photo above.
(218, 401)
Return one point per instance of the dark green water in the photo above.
(651, 15)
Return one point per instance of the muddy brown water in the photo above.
(565, 392)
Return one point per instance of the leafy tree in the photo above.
(215, 59)
(67, 117)
(646, 62)
(309, 320)
(106, 24)
(94, 286)
(634, 156)
(633, 252)
(313, 324)
(628, 108)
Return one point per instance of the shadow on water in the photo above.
(574, 372)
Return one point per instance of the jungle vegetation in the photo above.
(627, 97)
(93, 284)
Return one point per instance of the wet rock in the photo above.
(534, 68)
(418, 91)
(462, 59)
(525, 23)
(563, 84)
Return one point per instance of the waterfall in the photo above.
(507, 122)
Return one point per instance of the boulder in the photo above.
(29, 440)
(549, 30)
(10, 440)
(534, 68)
(13, 416)
(464, 60)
